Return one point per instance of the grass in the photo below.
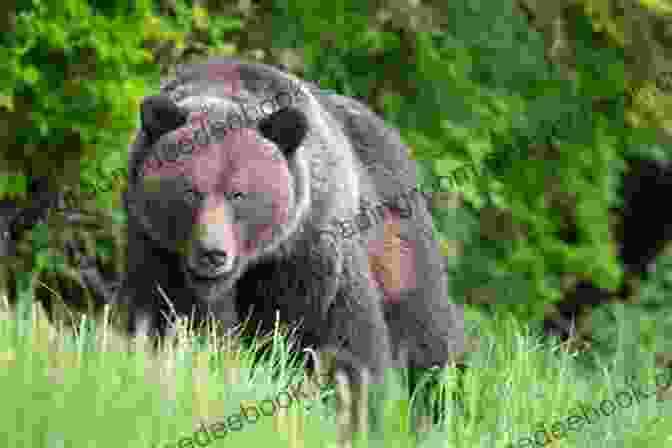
(91, 387)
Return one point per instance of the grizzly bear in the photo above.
(252, 192)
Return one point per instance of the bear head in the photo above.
(220, 196)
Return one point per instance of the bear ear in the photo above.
(286, 128)
(158, 115)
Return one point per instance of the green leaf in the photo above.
(31, 75)
(446, 167)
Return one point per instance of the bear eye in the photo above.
(236, 195)
(192, 195)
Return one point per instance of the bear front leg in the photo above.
(153, 287)
(137, 293)
(362, 355)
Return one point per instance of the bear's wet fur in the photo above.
(240, 215)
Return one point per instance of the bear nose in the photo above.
(212, 259)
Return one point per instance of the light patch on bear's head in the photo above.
(223, 73)
(226, 74)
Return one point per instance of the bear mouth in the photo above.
(210, 286)
(195, 275)
(208, 275)
(205, 275)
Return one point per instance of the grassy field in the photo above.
(91, 387)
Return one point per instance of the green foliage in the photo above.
(543, 109)
(470, 89)
(81, 73)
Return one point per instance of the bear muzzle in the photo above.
(203, 263)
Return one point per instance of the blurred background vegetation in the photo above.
(559, 109)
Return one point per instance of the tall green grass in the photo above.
(91, 387)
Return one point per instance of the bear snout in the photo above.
(209, 263)
(213, 247)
